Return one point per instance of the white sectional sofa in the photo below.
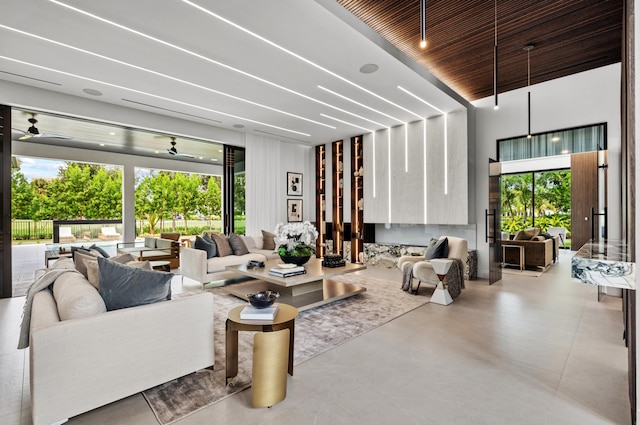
(82, 363)
(195, 265)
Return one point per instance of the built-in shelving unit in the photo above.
(337, 149)
(321, 202)
(357, 199)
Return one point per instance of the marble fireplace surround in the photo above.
(387, 255)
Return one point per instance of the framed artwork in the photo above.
(294, 184)
(294, 210)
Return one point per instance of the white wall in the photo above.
(268, 161)
(586, 98)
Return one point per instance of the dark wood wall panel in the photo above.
(584, 196)
(5, 185)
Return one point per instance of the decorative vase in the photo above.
(295, 259)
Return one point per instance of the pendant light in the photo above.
(529, 48)
(495, 57)
(423, 24)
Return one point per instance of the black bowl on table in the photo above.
(263, 299)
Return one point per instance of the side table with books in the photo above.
(284, 318)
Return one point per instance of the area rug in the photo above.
(316, 331)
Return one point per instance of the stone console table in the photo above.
(604, 263)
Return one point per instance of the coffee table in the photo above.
(304, 291)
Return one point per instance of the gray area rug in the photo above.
(316, 331)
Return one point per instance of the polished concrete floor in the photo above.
(526, 350)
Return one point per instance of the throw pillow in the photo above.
(149, 242)
(122, 286)
(268, 240)
(123, 258)
(93, 273)
(75, 249)
(164, 243)
(237, 245)
(76, 298)
(439, 250)
(210, 248)
(102, 252)
(222, 244)
(82, 260)
(428, 250)
(207, 237)
(521, 236)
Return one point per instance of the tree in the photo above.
(211, 200)
(239, 194)
(186, 194)
(22, 196)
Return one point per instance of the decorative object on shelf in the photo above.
(295, 242)
(294, 210)
(263, 299)
(294, 184)
(332, 261)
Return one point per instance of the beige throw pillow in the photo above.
(222, 245)
(76, 298)
(268, 240)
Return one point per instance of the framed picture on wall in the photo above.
(294, 184)
(294, 210)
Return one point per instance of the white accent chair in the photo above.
(65, 235)
(423, 269)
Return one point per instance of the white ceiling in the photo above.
(258, 64)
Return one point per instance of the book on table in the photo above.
(278, 270)
(287, 274)
(252, 313)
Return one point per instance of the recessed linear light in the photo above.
(153, 95)
(421, 100)
(359, 104)
(295, 55)
(346, 122)
(159, 74)
(189, 52)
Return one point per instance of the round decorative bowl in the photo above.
(263, 299)
(298, 260)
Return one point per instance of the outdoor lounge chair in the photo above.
(65, 235)
(109, 234)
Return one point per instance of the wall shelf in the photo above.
(320, 201)
(357, 200)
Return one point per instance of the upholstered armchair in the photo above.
(423, 270)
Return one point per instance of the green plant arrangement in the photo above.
(295, 239)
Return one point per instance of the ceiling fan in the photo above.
(173, 151)
(33, 131)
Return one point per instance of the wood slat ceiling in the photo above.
(569, 37)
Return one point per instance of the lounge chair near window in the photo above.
(109, 234)
(65, 235)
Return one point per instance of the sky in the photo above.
(33, 168)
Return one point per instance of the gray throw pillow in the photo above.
(439, 250)
(82, 260)
(102, 252)
(123, 286)
(237, 245)
(268, 240)
(210, 248)
(222, 244)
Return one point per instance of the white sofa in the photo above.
(194, 263)
(80, 364)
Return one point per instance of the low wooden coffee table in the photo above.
(304, 291)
